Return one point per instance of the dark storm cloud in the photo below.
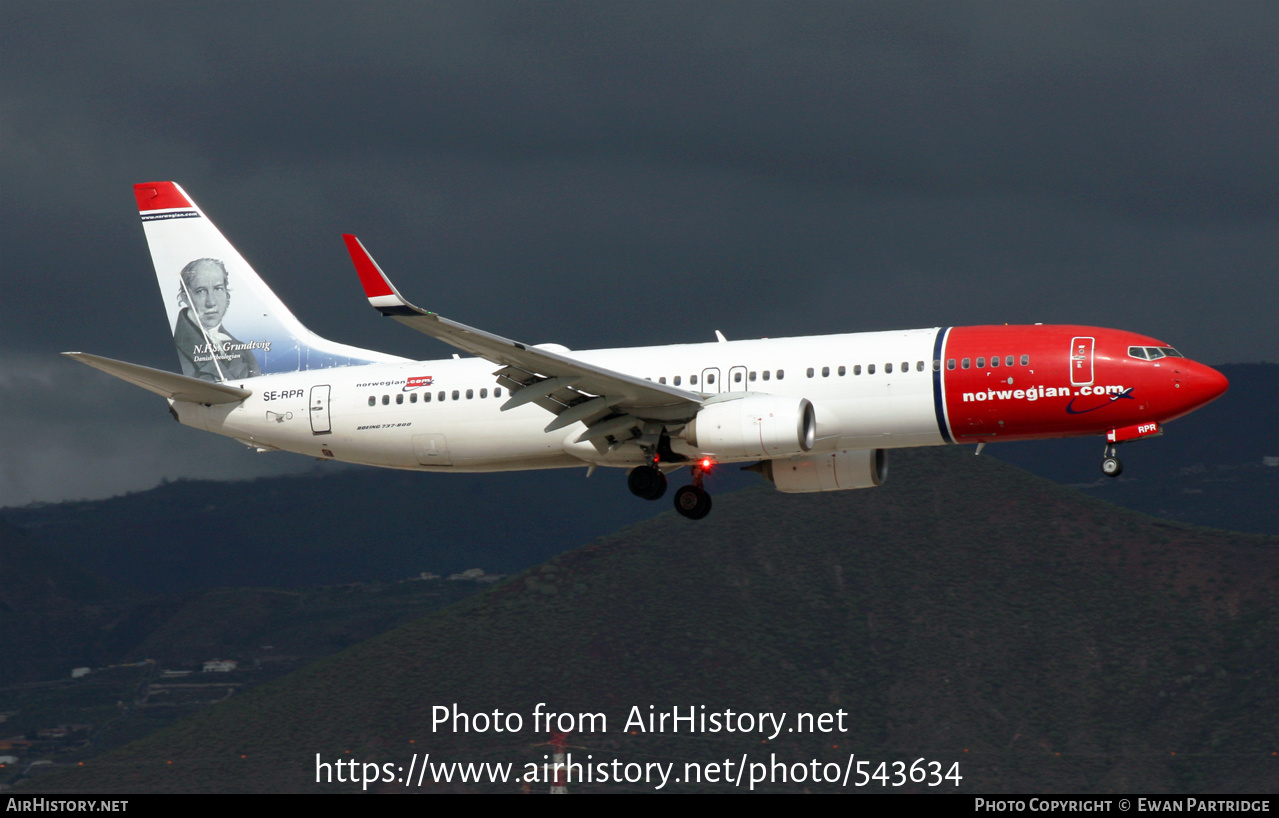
(609, 173)
(1153, 108)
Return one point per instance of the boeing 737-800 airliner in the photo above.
(816, 413)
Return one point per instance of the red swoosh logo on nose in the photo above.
(1127, 393)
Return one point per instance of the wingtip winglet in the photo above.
(376, 285)
(379, 289)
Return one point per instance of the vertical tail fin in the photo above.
(227, 324)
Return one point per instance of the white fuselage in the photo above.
(445, 415)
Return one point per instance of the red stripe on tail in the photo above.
(159, 196)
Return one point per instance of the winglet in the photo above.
(379, 289)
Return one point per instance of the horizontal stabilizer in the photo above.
(165, 384)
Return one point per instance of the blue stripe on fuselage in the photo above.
(939, 401)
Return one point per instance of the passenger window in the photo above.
(825, 371)
(399, 399)
(677, 380)
(737, 377)
(905, 366)
(426, 397)
(766, 374)
(455, 394)
(1008, 361)
(484, 393)
(994, 360)
(888, 369)
(842, 372)
(710, 378)
(919, 366)
(1025, 360)
(966, 363)
(662, 380)
(950, 363)
(781, 373)
(810, 372)
(470, 393)
(857, 369)
(937, 365)
(692, 380)
(372, 401)
(981, 363)
(413, 398)
(441, 396)
(751, 376)
(870, 369)
(497, 393)
(386, 400)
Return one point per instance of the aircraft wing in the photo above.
(166, 384)
(610, 403)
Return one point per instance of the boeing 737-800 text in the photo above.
(815, 413)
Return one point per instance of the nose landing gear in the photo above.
(1111, 465)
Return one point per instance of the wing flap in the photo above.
(584, 411)
(166, 384)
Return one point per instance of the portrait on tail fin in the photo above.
(206, 349)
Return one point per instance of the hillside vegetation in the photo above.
(964, 612)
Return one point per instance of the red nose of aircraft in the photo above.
(1205, 384)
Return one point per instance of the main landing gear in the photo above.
(646, 482)
(1111, 466)
(692, 501)
(649, 483)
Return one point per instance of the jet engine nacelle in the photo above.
(765, 426)
(849, 469)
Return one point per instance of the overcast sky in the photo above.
(599, 174)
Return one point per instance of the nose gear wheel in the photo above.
(1111, 465)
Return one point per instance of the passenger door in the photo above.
(320, 423)
(1081, 361)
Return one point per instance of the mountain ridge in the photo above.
(971, 613)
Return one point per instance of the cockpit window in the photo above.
(1153, 353)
